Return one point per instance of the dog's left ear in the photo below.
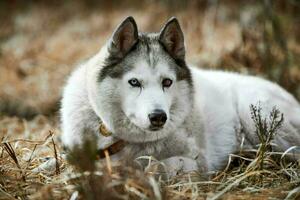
(172, 39)
(124, 38)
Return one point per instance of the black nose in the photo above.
(158, 118)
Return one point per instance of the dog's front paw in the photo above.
(178, 164)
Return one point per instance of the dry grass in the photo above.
(35, 167)
(39, 46)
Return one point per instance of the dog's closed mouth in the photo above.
(154, 128)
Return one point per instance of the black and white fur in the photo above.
(204, 108)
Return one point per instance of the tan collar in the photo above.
(112, 148)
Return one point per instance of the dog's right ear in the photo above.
(124, 38)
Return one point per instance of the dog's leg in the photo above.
(78, 124)
(77, 115)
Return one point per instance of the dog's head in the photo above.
(144, 89)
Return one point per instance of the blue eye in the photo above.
(134, 82)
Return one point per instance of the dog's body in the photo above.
(139, 86)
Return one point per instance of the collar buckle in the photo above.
(103, 130)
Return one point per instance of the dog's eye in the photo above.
(167, 82)
(134, 82)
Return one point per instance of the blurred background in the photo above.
(42, 41)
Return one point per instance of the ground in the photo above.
(41, 42)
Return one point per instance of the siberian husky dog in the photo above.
(139, 87)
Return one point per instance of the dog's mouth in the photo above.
(155, 128)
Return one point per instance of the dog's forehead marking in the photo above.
(151, 59)
(149, 48)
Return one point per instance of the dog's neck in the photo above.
(134, 149)
(173, 144)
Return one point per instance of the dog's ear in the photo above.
(171, 37)
(124, 38)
